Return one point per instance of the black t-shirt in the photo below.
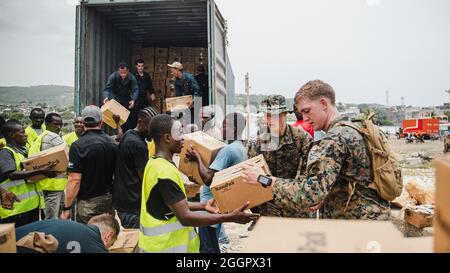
(165, 193)
(7, 162)
(94, 156)
(72, 237)
(145, 84)
(132, 156)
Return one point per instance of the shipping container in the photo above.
(107, 32)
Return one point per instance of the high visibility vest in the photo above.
(163, 236)
(48, 184)
(151, 148)
(70, 138)
(32, 135)
(30, 195)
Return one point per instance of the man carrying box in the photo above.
(232, 154)
(27, 194)
(53, 187)
(167, 219)
(123, 87)
(185, 84)
(339, 176)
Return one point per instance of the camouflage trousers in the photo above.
(86, 209)
(272, 210)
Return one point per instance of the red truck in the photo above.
(427, 127)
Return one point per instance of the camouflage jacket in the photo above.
(284, 158)
(335, 162)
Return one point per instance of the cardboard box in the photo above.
(442, 211)
(161, 52)
(324, 236)
(127, 242)
(148, 52)
(419, 244)
(7, 238)
(178, 103)
(58, 155)
(231, 192)
(420, 216)
(207, 146)
(113, 107)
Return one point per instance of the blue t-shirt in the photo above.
(230, 155)
(72, 237)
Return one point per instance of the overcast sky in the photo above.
(361, 47)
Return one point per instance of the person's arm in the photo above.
(109, 88)
(205, 173)
(195, 88)
(119, 135)
(151, 90)
(325, 161)
(72, 189)
(253, 148)
(190, 218)
(18, 175)
(134, 91)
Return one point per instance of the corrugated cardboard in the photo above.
(419, 244)
(7, 238)
(324, 236)
(420, 216)
(442, 211)
(206, 146)
(231, 192)
(178, 103)
(127, 242)
(111, 108)
(58, 155)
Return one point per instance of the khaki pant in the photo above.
(86, 209)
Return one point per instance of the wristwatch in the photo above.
(67, 208)
(265, 180)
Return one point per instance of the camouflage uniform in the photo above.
(86, 209)
(337, 161)
(283, 155)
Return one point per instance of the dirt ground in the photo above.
(424, 174)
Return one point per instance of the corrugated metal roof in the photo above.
(159, 23)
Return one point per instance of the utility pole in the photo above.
(247, 91)
(448, 91)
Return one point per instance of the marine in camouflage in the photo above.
(338, 166)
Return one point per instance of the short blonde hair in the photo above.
(314, 90)
(104, 222)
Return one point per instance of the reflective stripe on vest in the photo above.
(48, 184)
(163, 236)
(12, 183)
(30, 195)
(176, 249)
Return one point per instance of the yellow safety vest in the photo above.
(32, 135)
(151, 148)
(48, 184)
(30, 195)
(163, 236)
(70, 138)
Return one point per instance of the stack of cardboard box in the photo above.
(156, 60)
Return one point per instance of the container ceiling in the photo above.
(160, 23)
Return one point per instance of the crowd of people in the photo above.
(131, 176)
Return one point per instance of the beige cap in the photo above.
(176, 65)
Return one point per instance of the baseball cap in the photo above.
(91, 113)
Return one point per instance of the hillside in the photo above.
(49, 94)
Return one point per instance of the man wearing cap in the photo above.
(91, 167)
(283, 146)
(185, 85)
(123, 87)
